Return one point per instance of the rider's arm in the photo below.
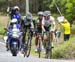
(32, 25)
(43, 23)
(25, 21)
(53, 24)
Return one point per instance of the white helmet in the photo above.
(40, 13)
(47, 13)
(29, 15)
(14, 20)
(16, 7)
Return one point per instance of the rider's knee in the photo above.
(45, 37)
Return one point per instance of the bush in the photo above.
(65, 51)
(2, 31)
(73, 29)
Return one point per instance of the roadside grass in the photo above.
(65, 50)
(4, 21)
(73, 29)
(2, 31)
(33, 53)
(3, 13)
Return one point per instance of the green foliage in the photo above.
(73, 29)
(47, 4)
(65, 50)
(2, 0)
(66, 7)
(2, 31)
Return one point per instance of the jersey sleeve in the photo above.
(43, 22)
(24, 19)
(53, 20)
(53, 25)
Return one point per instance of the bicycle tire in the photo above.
(28, 47)
(48, 48)
(39, 49)
(49, 53)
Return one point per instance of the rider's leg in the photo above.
(20, 41)
(52, 38)
(44, 43)
(36, 42)
(23, 39)
(44, 39)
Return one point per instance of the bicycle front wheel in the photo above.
(39, 49)
(49, 48)
(28, 46)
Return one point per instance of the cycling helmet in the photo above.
(29, 15)
(16, 8)
(47, 13)
(40, 13)
(14, 20)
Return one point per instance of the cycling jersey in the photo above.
(28, 22)
(49, 23)
(38, 24)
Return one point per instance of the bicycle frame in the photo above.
(48, 46)
(39, 41)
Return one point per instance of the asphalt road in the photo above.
(7, 57)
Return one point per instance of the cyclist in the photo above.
(48, 24)
(11, 12)
(15, 13)
(38, 27)
(28, 24)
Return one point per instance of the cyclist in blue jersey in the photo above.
(15, 13)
